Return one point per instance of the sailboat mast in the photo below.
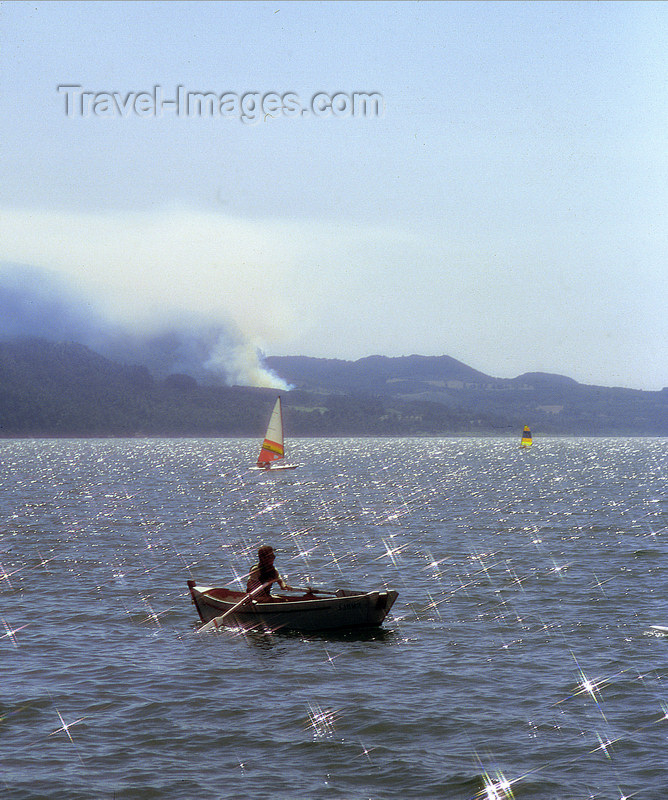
(280, 417)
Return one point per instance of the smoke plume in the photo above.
(40, 303)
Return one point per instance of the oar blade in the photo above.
(212, 625)
(216, 622)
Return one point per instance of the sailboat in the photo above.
(272, 451)
(526, 437)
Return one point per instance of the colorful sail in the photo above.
(526, 437)
(272, 447)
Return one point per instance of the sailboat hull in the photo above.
(277, 468)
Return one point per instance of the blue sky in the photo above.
(508, 207)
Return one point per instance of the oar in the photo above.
(216, 621)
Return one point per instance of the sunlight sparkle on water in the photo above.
(434, 604)
(65, 727)
(44, 561)
(330, 658)
(302, 554)
(10, 633)
(365, 752)
(335, 561)
(496, 789)
(391, 552)
(557, 569)
(151, 615)
(5, 576)
(433, 564)
(598, 584)
(321, 721)
(604, 744)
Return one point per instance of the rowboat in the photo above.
(315, 610)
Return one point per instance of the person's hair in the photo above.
(265, 563)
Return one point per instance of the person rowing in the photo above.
(264, 573)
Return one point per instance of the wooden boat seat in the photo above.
(224, 594)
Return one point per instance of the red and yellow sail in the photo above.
(272, 447)
(526, 437)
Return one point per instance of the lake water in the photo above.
(518, 660)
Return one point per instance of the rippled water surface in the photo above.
(518, 660)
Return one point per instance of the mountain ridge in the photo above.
(399, 366)
(67, 389)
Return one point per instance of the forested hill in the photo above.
(550, 403)
(376, 375)
(50, 389)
